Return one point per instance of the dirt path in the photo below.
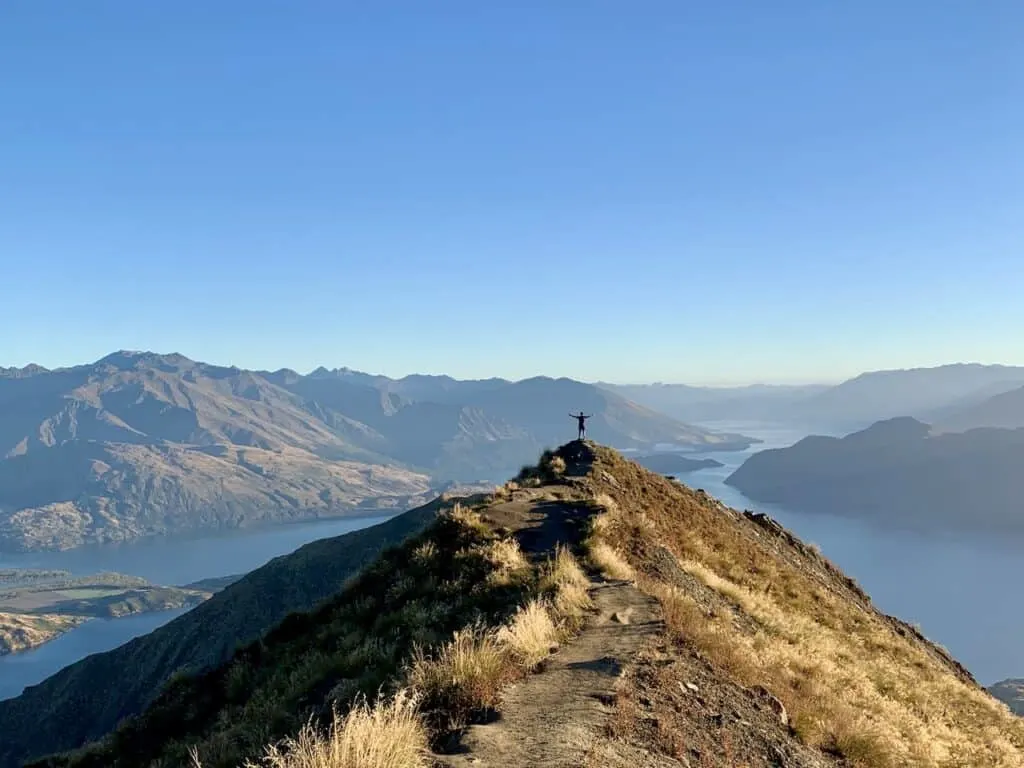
(552, 718)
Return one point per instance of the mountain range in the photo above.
(140, 443)
(929, 394)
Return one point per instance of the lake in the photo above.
(169, 560)
(962, 591)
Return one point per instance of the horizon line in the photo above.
(713, 384)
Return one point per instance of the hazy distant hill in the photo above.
(1004, 411)
(1011, 693)
(919, 392)
(88, 698)
(757, 402)
(930, 394)
(534, 409)
(898, 472)
(141, 443)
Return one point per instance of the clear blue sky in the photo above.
(677, 191)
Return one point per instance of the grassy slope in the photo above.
(390, 623)
(757, 612)
(766, 610)
(87, 699)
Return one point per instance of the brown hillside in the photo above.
(698, 636)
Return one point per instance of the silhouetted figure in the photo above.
(581, 421)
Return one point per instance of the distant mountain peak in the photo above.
(19, 373)
(128, 359)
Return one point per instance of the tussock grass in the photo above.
(600, 552)
(506, 556)
(505, 491)
(464, 677)
(425, 552)
(469, 518)
(853, 686)
(609, 562)
(549, 468)
(566, 585)
(563, 569)
(552, 465)
(389, 734)
(531, 635)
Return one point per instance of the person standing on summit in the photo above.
(581, 422)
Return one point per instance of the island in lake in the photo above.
(674, 463)
(36, 606)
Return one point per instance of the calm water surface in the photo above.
(172, 560)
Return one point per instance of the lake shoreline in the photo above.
(204, 533)
(206, 563)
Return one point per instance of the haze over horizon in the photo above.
(699, 194)
(401, 373)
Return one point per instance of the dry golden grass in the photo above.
(856, 688)
(605, 503)
(565, 580)
(464, 676)
(852, 685)
(531, 635)
(563, 569)
(424, 553)
(555, 466)
(387, 735)
(609, 562)
(506, 556)
(469, 518)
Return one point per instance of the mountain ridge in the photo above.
(926, 393)
(141, 443)
(898, 472)
(51, 714)
(588, 613)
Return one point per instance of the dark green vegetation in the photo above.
(139, 444)
(414, 596)
(86, 700)
(898, 472)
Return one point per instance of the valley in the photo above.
(190, 561)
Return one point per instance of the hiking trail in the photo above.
(555, 716)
